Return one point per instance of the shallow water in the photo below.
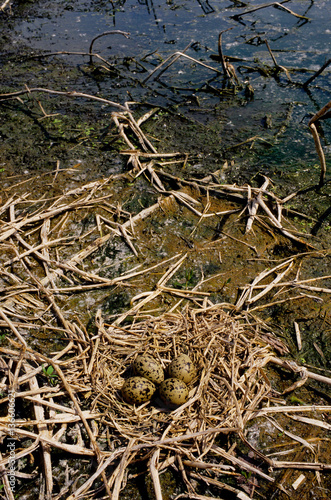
(159, 29)
(156, 25)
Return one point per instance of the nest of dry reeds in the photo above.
(230, 383)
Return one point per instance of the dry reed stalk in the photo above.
(35, 250)
(292, 366)
(298, 335)
(295, 437)
(117, 478)
(4, 5)
(253, 204)
(153, 467)
(290, 409)
(61, 418)
(311, 421)
(246, 296)
(73, 93)
(43, 432)
(298, 282)
(148, 296)
(235, 191)
(14, 227)
(174, 58)
(70, 448)
(71, 264)
(302, 466)
(242, 463)
(12, 327)
(275, 222)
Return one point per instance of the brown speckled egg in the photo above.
(182, 368)
(137, 390)
(173, 391)
(147, 366)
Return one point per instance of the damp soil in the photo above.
(221, 128)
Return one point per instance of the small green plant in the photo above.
(49, 373)
(189, 277)
(246, 474)
(296, 400)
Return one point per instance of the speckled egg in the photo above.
(173, 392)
(147, 366)
(182, 368)
(137, 390)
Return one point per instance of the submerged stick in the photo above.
(315, 75)
(112, 32)
(220, 52)
(174, 56)
(272, 4)
(318, 116)
(277, 66)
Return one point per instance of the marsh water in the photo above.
(251, 126)
(278, 113)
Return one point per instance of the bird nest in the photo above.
(229, 357)
(230, 384)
